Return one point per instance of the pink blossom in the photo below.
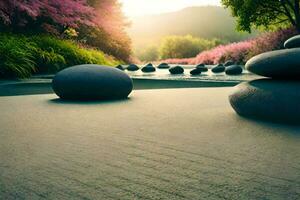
(240, 51)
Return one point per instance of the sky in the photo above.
(133, 8)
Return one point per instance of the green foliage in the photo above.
(16, 56)
(184, 46)
(148, 54)
(21, 55)
(118, 46)
(264, 13)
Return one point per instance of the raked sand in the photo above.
(159, 144)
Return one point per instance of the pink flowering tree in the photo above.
(49, 15)
(98, 23)
(57, 15)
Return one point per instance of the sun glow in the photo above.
(134, 8)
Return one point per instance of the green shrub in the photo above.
(184, 46)
(21, 55)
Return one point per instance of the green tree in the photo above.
(264, 13)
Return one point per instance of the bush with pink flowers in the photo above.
(242, 51)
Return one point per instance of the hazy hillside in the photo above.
(207, 22)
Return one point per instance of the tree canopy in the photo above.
(264, 13)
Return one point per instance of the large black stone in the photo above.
(133, 67)
(176, 70)
(218, 68)
(273, 100)
(293, 42)
(280, 64)
(92, 82)
(163, 66)
(234, 70)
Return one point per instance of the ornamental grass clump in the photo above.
(23, 55)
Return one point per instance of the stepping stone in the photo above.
(92, 82)
(133, 67)
(218, 69)
(120, 67)
(176, 70)
(163, 66)
(148, 68)
(273, 100)
(195, 72)
(200, 65)
(293, 42)
(202, 68)
(234, 70)
(229, 63)
(280, 64)
(149, 65)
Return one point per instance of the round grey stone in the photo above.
(268, 99)
(280, 64)
(218, 68)
(176, 70)
(133, 67)
(92, 82)
(234, 70)
(195, 72)
(293, 42)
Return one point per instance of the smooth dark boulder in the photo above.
(229, 63)
(176, 70)
(148, 68)
(163, 66)
(293, 42)
(280, 64)
(133, 67)
(273, 100)
(202, 68)
(92, 82)
(218, 68)
(234, 70)
(195, 72)
(120, 67)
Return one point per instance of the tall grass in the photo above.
(16, 56)
(21, 56)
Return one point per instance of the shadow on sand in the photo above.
(89, 102)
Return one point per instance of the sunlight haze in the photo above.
(134, 8)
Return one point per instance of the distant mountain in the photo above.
(206, 21)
